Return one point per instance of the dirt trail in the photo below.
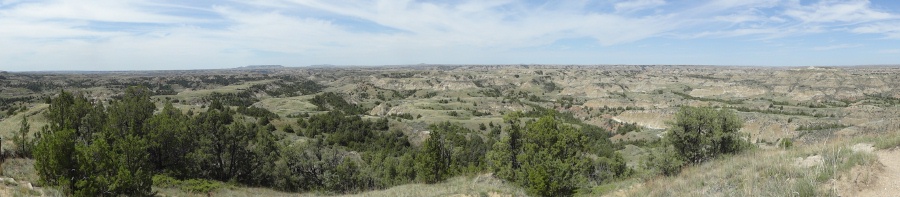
(888, 183)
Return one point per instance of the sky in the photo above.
(40, 35)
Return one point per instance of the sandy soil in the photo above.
(888, 183)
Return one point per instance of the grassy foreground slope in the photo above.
(481, 185)
(840, 167)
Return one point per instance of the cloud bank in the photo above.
(145, 35)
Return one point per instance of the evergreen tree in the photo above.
(551, 160)
(432, 162)
(66, 111)
(54, 160)
(169, 141)
(501, 158)
(129, 115)
(23, 144)
(90, 159)
(114, 167)
(699, 134)
(265, 152)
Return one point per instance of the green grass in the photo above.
(199, 186)
(9, 126)
(289, 105)
(887, 142)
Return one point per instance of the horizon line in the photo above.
(250, 67)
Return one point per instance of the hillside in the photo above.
(822, 111)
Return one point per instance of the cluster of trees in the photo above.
(386, 158)
(96, 149)
(330, 101)
(697, 135)
(92, 149)
(224, 80)
(626, 127)
(545, 83)
(34, 86)
(451, 150)
(243, 98)
(782, 112)
(550, 158)
(257, 112)
(351, 131)
(10, 104)
(288, 89)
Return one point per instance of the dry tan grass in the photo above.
(761, 173)
(481, 185)
(11, 125)
(288, 105)
(19, 169)
(19, 178)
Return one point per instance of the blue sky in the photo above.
(201, 34)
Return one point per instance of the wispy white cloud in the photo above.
(889, 29)
(634, 5)
(838, 11)
(837, 46)
(98, 10)
(890, 51)
(481, 23)
(739, 18)
(140, 34)
(760, 32)
(769, 19)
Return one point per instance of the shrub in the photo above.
(288, 129)
(190, 185)
(664, 160)
(699, 134)
(53, 158)
(786, 143)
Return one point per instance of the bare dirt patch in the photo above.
(810, 161)
(863, 147)
(888, 180)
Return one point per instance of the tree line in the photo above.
(92, 148)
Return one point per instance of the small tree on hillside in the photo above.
(23, 145)
(699, 134)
